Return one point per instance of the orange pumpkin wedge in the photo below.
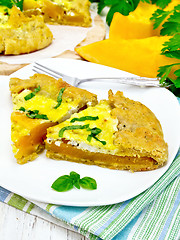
(137, 24)
(138, 56)
(134, 26)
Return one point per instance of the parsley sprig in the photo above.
(67, 182)
(11, 3)
(171, 25)
(124, 6)
(171, 48)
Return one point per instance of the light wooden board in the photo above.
(19, 225)
(96, 33)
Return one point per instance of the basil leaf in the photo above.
(41, 116)
(66, 182)
(88, 183)
(103, 142)
(35, 114)
(59, 98)
(81, 119)
(73, 127)
(95, 131)
(32, 94)
(75, 177)
(22, 109)
(63, 184)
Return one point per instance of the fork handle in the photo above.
(142, 82)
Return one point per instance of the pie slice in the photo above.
(66, 12)
(38, 103)
(118, 133)
(21, 34)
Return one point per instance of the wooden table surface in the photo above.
(18, 225)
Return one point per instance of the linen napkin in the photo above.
(153, 214)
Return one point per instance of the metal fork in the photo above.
(139, 81)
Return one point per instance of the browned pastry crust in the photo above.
(50, 88)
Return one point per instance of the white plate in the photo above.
(33, 180)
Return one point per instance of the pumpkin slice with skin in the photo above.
(137, 24)
(33, 115)
(138, 56)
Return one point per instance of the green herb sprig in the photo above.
(172, 24)
(11, 3)
(33, 114)
(72, 127)
(67, 182)
(59, 98)
(32, 94)
(85, 118)
(94, 131)
(171, 48)
(124, 6)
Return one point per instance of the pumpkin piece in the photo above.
(27, 146)
(137, 24)
(73, 154)
(138, 56)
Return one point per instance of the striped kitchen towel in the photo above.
(153, 214)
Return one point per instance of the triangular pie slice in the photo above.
(38, 103)
(66, 12)
(118, 133)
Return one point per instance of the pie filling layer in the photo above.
(68, 152)
(31, 143)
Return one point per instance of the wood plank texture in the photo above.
(18, 225)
